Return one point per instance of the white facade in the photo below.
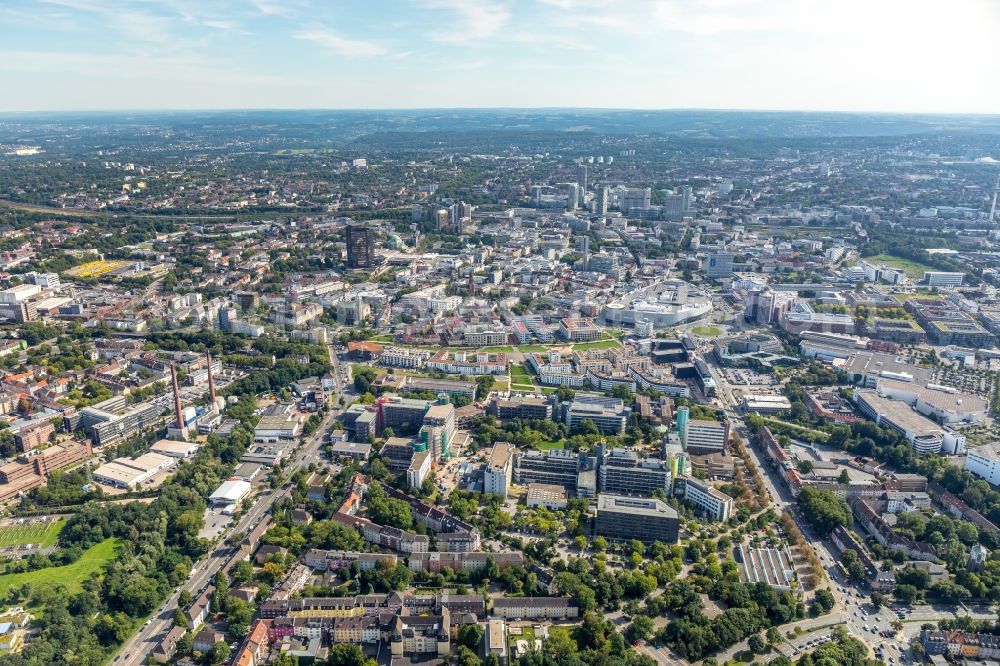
(943, 279)
(499, 470)
(984, 462)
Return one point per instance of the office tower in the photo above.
(720, 265)
(416, 213)
(360, 247)
(686, 198)
(705, 437)
(581, 176)
(602, 200)
(572, 196)
(636, 198)
(683, 414)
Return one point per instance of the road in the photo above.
(135, 650)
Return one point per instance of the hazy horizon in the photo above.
(852, 56)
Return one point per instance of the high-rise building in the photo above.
(704, 437)
(360, 247)
(498, 471)
(581, 176)
(601, 207)
(683, 414)
(572, 196)
(720, 265)
(636, 198)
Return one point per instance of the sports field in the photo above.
(44, 533)
(71, 575)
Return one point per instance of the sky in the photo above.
(835, 55)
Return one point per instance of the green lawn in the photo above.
(707, 331)
(552, 445)
(599, 344)
(519, 373)
(71, 575)
(42, 533)
(912, 268)
(532, 348)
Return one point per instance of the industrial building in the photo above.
(132, 472)
(230, 492)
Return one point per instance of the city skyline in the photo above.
(889, 56)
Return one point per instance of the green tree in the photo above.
(219, 653)
(640, 629)
(470, 636)
(757, 644)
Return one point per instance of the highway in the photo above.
(137, 648)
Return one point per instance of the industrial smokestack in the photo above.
(211, 382)
(177, 396)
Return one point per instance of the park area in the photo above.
(913, 269)
(707, 331)
(92, 561)
(41, 532)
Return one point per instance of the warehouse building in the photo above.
(132, 472)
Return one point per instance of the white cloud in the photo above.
(345, 46)
(269, 8)
(474, 20)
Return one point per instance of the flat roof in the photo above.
(641, 506)
(953, 401)
(118, 473)
(864, 362)
(500, 454)
(546, 491)
(900, 413)
(175, 446)
(231, 490)
(439, 411)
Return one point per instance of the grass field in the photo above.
(912, 268)
(707, 331)
(71, 575)
(599, 344)
(532, 348)
(519, 373)
(42, 533)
